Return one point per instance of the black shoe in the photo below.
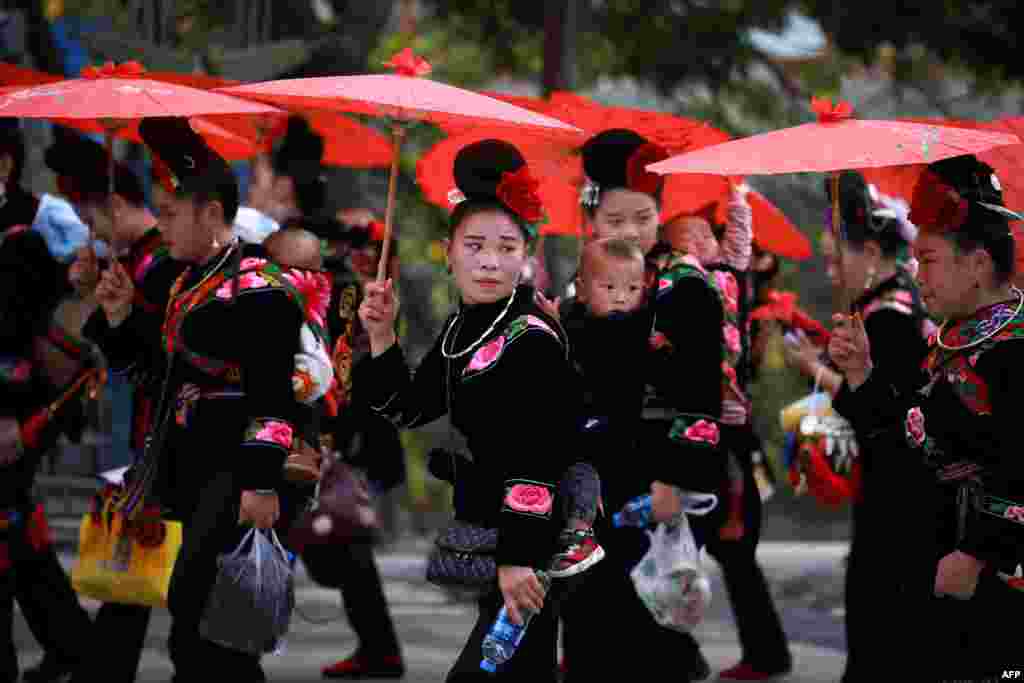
(49, 670)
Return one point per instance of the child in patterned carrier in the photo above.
(293, 247)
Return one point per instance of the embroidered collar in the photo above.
(982, 322)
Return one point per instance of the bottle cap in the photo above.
(489, 666)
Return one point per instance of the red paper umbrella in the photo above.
(834, 143)
(557, 163)
(1007, 161)
(403, 96)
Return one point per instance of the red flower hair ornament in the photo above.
(638, 178)
(405, 63)
(518, 191)
(130, 69)
(936, 206)
(831, 113)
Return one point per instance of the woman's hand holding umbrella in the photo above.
(378, 313)
(850, 349)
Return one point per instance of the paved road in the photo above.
(432, 626)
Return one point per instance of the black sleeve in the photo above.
(690, 316)
(385, 385)
(549, 415)
(897, 352)
(267, 324)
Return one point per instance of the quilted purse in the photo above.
(464, 557)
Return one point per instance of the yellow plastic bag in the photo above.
(126, 561)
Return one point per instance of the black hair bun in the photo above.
(606, 156)
(972, 178)
(479, 167)
(855, 203)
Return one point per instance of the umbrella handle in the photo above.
(844, 304)
(398, 133)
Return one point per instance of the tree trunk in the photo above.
(560, 18)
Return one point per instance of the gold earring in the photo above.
(871, 279)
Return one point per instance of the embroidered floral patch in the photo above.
(315, 289)
(269, 432)
(659, 341)
(731, 336)
(915, 431)
(695, 430)
(486, 355)
(528, 498)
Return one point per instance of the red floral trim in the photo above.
(269, 432)
(518, 191)
(831, 113)
(405, 63)
(936, 206)
(638, 178)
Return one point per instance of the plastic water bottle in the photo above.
(504, 638)
(636, 512)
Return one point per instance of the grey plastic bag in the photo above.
(250, 605)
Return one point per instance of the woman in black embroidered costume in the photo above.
(677, 430)
(959, 416)
(231, 333)
(872, 268)
(478, 373)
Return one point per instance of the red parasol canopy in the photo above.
(404, 95)
(1008, 162)
(557, 163)
(834, 143)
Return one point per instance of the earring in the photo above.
(216, 243)
(871, 279)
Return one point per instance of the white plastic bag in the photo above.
(251, 603)
(670, 579)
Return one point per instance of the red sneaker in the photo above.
(357, 666)
(745, 672)
(579, 553)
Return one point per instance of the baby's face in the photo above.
(693, 236)
(610, 285)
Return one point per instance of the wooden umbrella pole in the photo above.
(398, 133)
(837, 239)
(109, 140)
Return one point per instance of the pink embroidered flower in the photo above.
(529, 498)
(664, 283)
(21, 371)
(1014, 513)
(224, 291)
(142, 267)
(315, 288)
(251, 263)
(250, 281)
(658, 341)
(486, 354)
(973, 359)
(731, 335)
(704, 431)
(933, 337)
(729, 289)
(915, 427)
(729, 372)
(903, 297)
(276, 432)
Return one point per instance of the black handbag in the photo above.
(464, 556)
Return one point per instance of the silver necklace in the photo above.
(451, 355)
(994, 332)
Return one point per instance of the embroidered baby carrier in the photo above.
(671, 268)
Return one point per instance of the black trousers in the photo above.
(211, 528)
(533, 661)
(762, 639)
(606, 619)
(48, 602)
(353, 569)
(124, 627)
